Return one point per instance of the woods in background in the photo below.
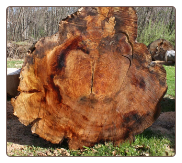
(32, 23)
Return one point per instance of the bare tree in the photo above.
(166, 15)
(34, 22)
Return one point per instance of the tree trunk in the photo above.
(91, 81)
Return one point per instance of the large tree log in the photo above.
(91, 81)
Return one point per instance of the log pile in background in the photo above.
(162, 50)
(91, 81)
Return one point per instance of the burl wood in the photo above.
(91, 81)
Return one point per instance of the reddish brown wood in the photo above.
(91, 81)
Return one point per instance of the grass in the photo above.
(14, 63)
(146, 144)
(170, 80)
(168, 102)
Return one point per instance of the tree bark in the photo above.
(91, 81)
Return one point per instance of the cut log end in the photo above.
(91, 81)
(13, 80)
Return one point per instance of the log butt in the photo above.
(91, 83)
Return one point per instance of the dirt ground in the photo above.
(20, 135)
